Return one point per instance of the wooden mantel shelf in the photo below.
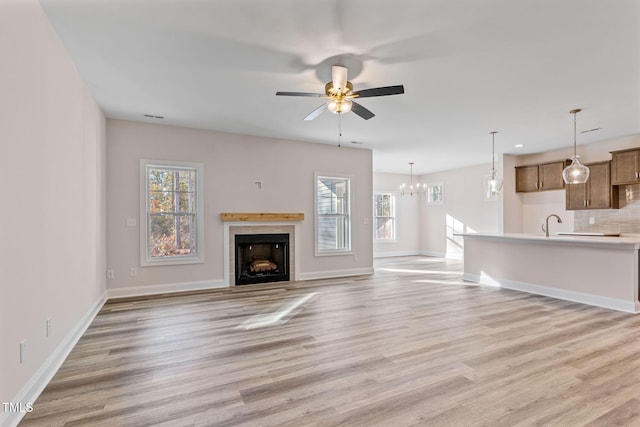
(234, 216)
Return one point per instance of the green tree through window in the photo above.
(172, 212)
(172, 209)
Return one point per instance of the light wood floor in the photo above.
(410, 345)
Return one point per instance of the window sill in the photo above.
(170, 261)
(335, 253)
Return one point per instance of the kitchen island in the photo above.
(600, 271)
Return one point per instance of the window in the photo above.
(385, 216)
(333, 223)
(435, 193)
(171, 213)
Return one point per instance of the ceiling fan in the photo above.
(340, 93)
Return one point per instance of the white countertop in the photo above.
(628, 239)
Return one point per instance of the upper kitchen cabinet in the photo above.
(625, 166)
(540, 177)
(596, 193)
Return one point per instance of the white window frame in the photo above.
(332, 252)
(145, 259)
(431, 187)
(392, 217)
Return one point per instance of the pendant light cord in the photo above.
(575, 150)
(575, 131)
(411, 173)
(493, 151)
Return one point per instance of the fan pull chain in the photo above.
(339, 129)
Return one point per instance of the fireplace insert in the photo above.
(261, 258)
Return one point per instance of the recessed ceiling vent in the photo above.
(151, 116)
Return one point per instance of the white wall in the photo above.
(232, 164)
(510, 209)
(464, 210)
(52, 154)
(428, 229)
(407, 217)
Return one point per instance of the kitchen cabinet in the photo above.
(540, 177)
(625, 166)
(596, 193)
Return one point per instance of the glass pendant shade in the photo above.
(339, 106)
(493, 182)
(576, 172)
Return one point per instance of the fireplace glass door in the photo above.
(261, 258)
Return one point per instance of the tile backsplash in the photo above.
(623, 220)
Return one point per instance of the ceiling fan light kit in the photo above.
(339, 106)
(340, 94)
(576, 172)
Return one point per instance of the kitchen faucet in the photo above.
(545, 226)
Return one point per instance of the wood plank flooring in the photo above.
(409, 345)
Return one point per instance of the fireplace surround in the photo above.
(233, 228)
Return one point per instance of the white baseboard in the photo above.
(335, 273)
(433, 254)
(395, 253)
(44, 374)
(165, 288)
(563, 294)
(409, 253)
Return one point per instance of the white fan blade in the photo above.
(339, 77)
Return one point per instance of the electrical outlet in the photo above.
(133, 272)
(111, 274)
(49, 324)
(131, 222)
(592, 220)
(23, 351)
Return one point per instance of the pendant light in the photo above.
(418, 189)
(576, 172)
(494, 182)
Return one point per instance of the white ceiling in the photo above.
(468, 67)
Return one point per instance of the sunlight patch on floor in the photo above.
(278, 315)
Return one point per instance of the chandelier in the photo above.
(411, 189)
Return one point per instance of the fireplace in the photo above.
(261, 258)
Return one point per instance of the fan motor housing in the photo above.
(330, 91)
